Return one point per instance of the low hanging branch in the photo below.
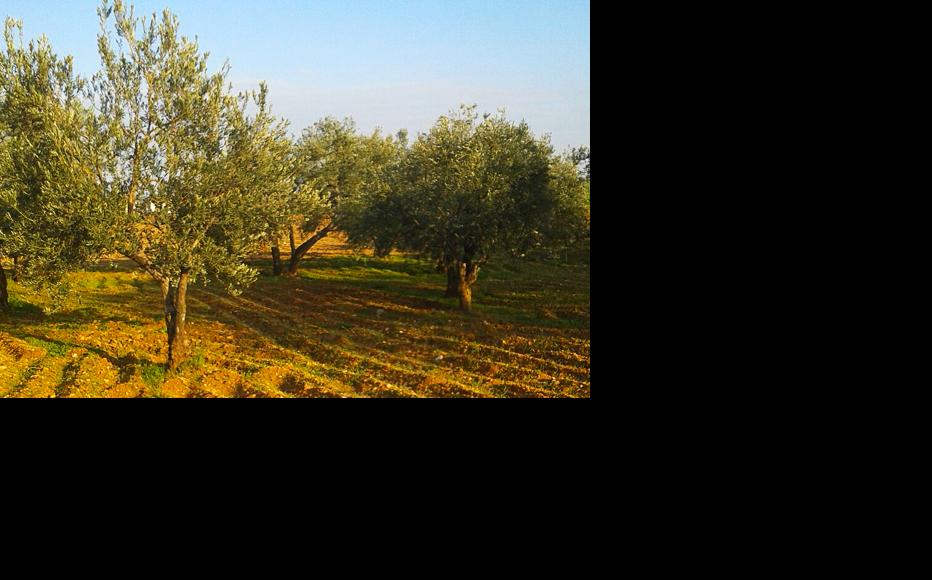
(334, 168)
(303, 249)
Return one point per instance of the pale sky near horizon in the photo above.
(388, 63)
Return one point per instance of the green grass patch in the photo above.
(54, 349)
(89, 281)
(526, 292)
(20, 307)
(194, 362)
(153, 375)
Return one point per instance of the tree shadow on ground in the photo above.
(127, 366)
(26, 312)
(350, 320)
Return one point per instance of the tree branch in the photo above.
(299, 252)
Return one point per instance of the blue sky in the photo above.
(389, 63)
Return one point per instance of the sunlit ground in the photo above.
(349, 325)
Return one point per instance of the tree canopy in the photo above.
(466, 190)
(192, 168)
(579, 157)
(52, 217)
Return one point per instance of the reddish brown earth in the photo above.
(348, 326)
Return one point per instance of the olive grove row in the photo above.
(156, 159)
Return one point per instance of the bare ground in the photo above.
(349, 326)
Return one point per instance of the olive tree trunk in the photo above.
(276, 261)
(467, 274)
(4, 295)
(176, 310)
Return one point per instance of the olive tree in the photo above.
(579, 157)
(192, 168)
(466, 190)
(52, 217)
(334, 167)
(566, 225)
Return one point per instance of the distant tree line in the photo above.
(156, 159)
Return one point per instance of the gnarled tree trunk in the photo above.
(16, 268)
(467, 272)
(176, 310)
(276, 261)
(4, 296)
(278, 267)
